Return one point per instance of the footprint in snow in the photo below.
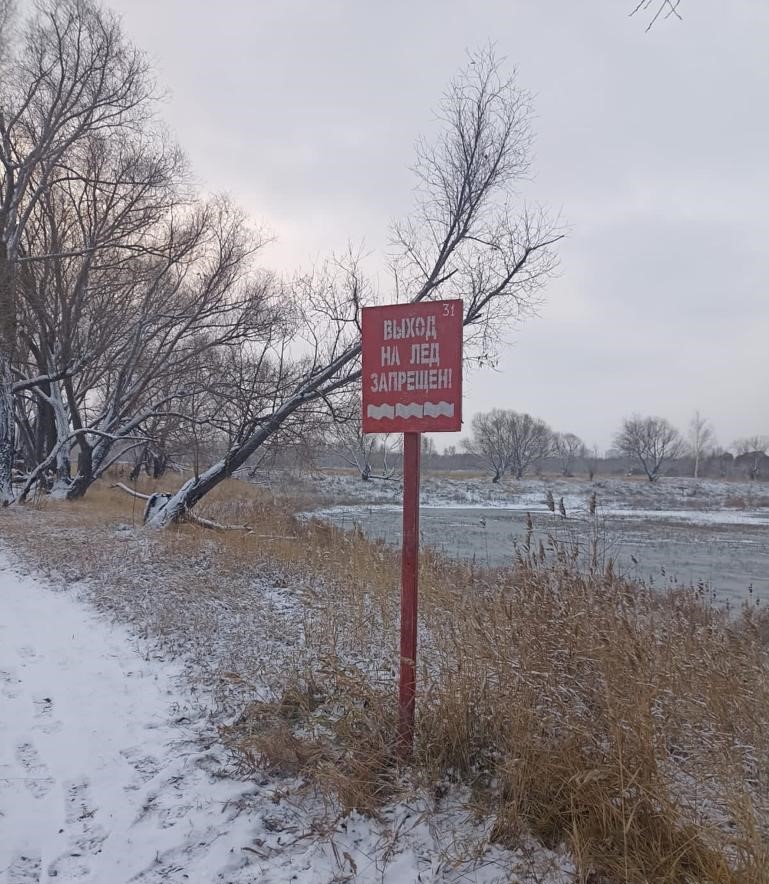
(80, 814)
(43, 714)
(85, 835)
(167, 865)
(69, 867)
(77, 806)
(38, 780)
(27, 652)
(43, 707)
(8, 682)
(24, 868)
(146, 766)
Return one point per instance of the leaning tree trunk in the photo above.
(91, 464)
(85, 472)
(7, 346)
(174, 508)
(195, 489)
(6, 430)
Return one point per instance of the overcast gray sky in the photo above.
(653, 146)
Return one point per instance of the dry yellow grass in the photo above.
(629, 726)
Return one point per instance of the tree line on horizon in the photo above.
(508, 443)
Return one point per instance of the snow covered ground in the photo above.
(103, 776)
(111, 765)
(110, 772)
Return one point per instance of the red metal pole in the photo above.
(409, 582)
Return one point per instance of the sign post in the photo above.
(407, 685)
(412, 383)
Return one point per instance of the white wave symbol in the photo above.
(413, 409)
(436, 409)
(377, 412)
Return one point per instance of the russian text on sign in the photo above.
(399, 381)
(410, 327)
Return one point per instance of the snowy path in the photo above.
(98, 782)
(105, 778)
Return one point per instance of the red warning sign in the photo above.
(412, 367)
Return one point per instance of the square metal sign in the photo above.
(412, 367)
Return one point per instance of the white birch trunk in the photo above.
(63, 429)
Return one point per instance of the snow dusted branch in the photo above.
(33, 383)
(216, 526)
(130, 491)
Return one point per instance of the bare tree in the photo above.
(491, 443)
(370, 453)
(752, 451)
(652, 441)
(463, 240)
(658, 9)
(592, 458)
(568, 447)
(428, 451)
(701, 438)
(150, 321)
(102, 210)
(507, 441)
(72, 75)
(209, 302)
(7, 9)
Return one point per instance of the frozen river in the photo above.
(727, 552)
